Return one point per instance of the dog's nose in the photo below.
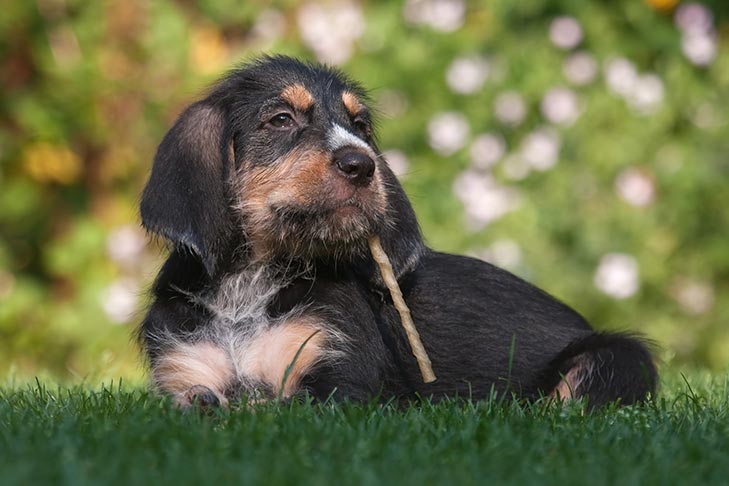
(355, 166)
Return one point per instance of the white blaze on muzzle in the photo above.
(339, 137)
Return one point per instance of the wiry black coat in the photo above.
(485, 330)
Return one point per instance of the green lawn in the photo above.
(121, 436)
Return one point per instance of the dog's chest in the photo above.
(239, 305)
(261, 347)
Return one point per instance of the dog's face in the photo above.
(279, 161)
(308, 179)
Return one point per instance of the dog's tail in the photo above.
(605, 368)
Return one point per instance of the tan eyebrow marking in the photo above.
(352, 103)
(297, 96)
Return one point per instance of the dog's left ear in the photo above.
(186, 199)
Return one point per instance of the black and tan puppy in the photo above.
(268, 190)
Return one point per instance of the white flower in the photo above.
(580, 68)
(617, 275)
(695, 297)
(644, 93)
(442, 15)
(698, 42)
(484, 200)
(565, 32)
(620, 75)
(635, 187)
(699, 49)
(540, 149)
(119, 300)
(486, 150)
(560, 106)
(448, 132)
(503, 253)
(397, 161)
(330, 31)
(693, 18)
(467, 75)
(509, 108)
(647, 94)
(125, 245)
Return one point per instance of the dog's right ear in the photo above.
(186, 199)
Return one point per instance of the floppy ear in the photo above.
(186, 199)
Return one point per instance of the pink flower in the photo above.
(560, 106)
(486, 150)
(483, 198)
(448, 132)
(540, 149)
(635, 187)
(565, 32)
(467, 75)
(442, 15)
(580, 68)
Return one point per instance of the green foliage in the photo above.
(87, 90)
(117, 435)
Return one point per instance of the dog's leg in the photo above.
(194, 373)
(279, 357)
(605, 368)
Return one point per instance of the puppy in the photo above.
(267, 191)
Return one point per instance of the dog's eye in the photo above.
(362, 127)
(282, 120)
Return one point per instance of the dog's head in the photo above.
(279, 162)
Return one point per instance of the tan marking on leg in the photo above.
(188, 365)
(298, 97)
(570, 386)
(269, 354)
(352, 103)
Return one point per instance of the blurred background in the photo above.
(583, 145)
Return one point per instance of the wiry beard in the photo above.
(306, 234)
(321, 234)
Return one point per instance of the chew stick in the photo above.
(426, 369)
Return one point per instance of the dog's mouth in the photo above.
(349, 200)
(332, 228)
(331, 202)
(330, 219)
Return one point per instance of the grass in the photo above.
(117, 436)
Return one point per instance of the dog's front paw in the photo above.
(200, 396)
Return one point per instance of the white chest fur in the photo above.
(243, 349)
